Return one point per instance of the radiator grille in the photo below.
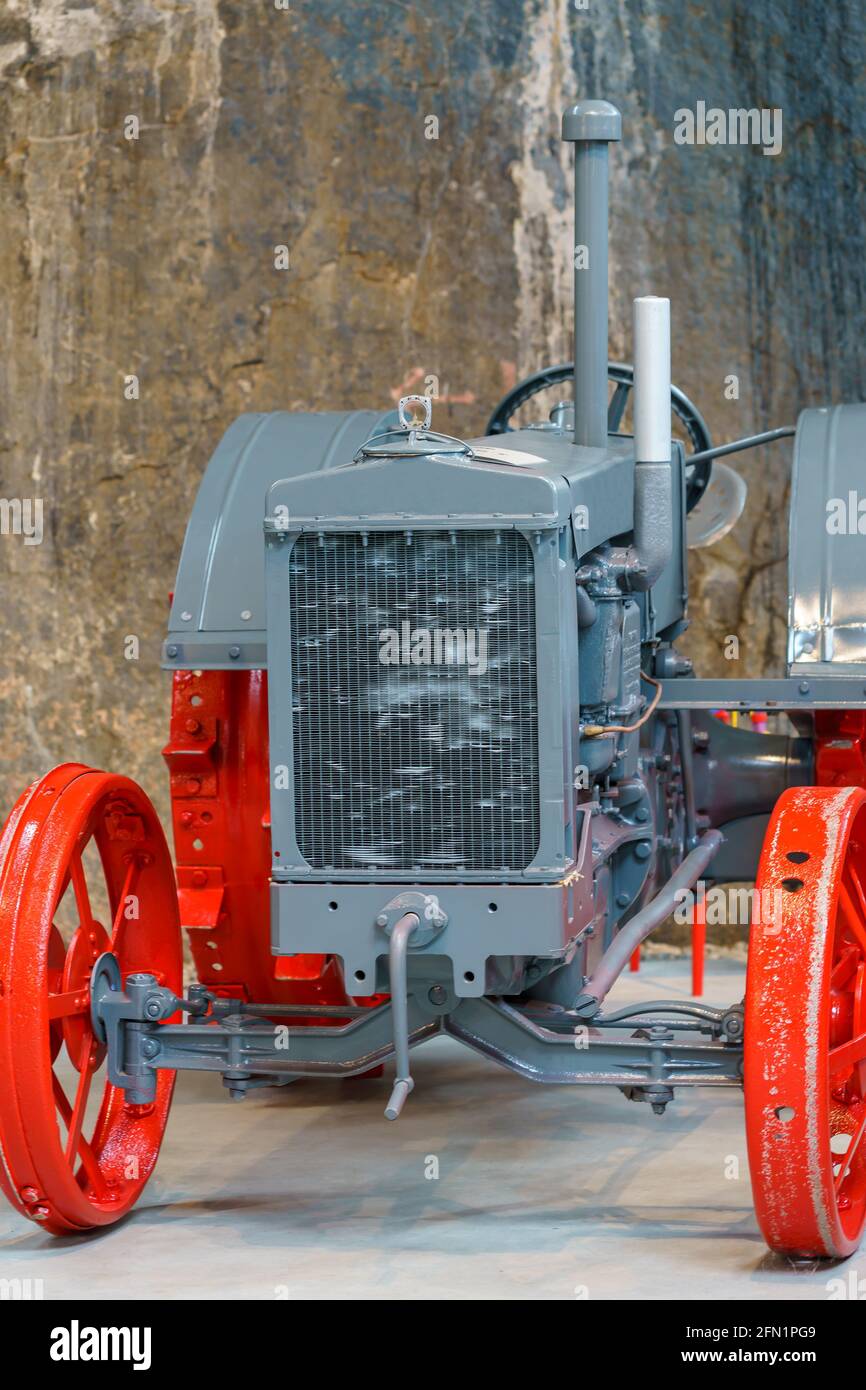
(414, 749)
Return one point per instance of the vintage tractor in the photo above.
(437, 767)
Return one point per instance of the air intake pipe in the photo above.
(590, 126)
(653, 503)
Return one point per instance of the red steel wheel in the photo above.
(73, 1154)
(805, 1026)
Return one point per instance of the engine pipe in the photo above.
(590, 126)
(403, 1083)
(616, 957)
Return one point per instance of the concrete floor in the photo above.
(543, 1193)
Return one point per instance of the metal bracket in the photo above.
(432, 919)
(120, 1019)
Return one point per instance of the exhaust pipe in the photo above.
(653, 502)
(652, 380)
(590, 126)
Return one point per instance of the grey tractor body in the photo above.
(491, 771)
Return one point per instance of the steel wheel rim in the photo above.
(805, 1026)
(79, 1172)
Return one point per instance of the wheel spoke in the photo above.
(854, 916)
(851, 871)
(844, 967)
(74, 1001)
(844, 1056)
(849, 1155)
(79, 886)
(86, 1154)
(125, 891)
(91, 1167)
(77, 1117)
(616, 409)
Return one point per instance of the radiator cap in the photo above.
(412, 437)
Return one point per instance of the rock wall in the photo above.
(308, 126)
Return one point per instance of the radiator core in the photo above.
(414, 701)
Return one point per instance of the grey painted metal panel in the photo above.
(818, 692)
(438, 490)
(827, 554)
(484, 921)
(221, 571)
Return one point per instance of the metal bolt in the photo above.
(171, 651)
(153, 1008)
(622, 899)
(192, 726)
(199, 878)
(804, 687)
(437, 995)
(643, 849)
(234, 653)
(150, 1047)
(382, 920)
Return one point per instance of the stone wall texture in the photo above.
(409, 257)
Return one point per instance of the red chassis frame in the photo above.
(217, 756)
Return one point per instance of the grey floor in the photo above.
(542, 1193)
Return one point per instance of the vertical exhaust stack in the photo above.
(652, 380)
(590, 126)
(653, 500)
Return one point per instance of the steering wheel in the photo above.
(691, 419)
